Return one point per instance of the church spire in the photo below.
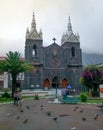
(33, 23)
(33, 34)
(69, 26)
(69, 36)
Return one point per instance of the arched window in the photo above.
(34, 51)
(73, 51)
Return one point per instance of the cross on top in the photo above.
(54, 39)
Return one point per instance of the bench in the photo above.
(69, 99)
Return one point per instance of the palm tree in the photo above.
(13, 64)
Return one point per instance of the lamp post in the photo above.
(56, 98)
(56, 86)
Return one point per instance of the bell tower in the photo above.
(33, 43)
(71, 44)
(33, 54)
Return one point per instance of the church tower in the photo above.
(33, 52)
(71, 44)
(33, 43)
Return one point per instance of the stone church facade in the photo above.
(54, 65)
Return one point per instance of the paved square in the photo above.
(42, 115)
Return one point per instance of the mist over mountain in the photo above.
(91, 58)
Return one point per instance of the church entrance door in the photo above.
(55, 82)
(64, 83)
(46, 83)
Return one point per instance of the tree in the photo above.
(91, 77)
(14, 65)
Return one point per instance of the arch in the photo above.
(64, 83)
(34, 51)
(73, 52)
(46, 83)
(55, 82)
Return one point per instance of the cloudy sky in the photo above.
(52, 17)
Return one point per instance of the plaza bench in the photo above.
(69, 99)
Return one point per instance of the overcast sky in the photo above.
(52, 17)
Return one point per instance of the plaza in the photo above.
(56, 65)
(42, 115)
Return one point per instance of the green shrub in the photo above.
(5, 95)
(83, 97)
(4, 99)
(36, 97)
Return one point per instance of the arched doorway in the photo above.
(64, 82)
(46, 83)
(55, 82)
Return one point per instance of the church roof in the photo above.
(54, 44)
(2, 58)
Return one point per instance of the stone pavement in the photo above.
(31, 116)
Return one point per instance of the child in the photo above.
(36, 97)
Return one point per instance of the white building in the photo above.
(5, 78)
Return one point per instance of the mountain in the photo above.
(91, 58)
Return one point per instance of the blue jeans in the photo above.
(16, 101)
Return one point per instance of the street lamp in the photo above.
(56, 86)
(56, 99)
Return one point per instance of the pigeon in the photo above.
(83, 118)
(27, 107)
(21, 111)
(25, 121)
(18, 117)
(76, 107)
(96, 116)
(55, 118)
(81, 110)
(49, 113)
(41, 106)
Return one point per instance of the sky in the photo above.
(52, 17)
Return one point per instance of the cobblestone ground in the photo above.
(31, 116)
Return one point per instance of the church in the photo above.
(54, 65)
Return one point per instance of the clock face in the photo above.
(55, 62)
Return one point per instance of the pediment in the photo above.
(34, 35)
(53, 49)
(54, 45)
(72, 38)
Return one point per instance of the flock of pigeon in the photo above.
(84, 118)
(55, 119)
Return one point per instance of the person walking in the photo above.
(16, 98)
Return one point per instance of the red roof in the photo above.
(2, 58)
